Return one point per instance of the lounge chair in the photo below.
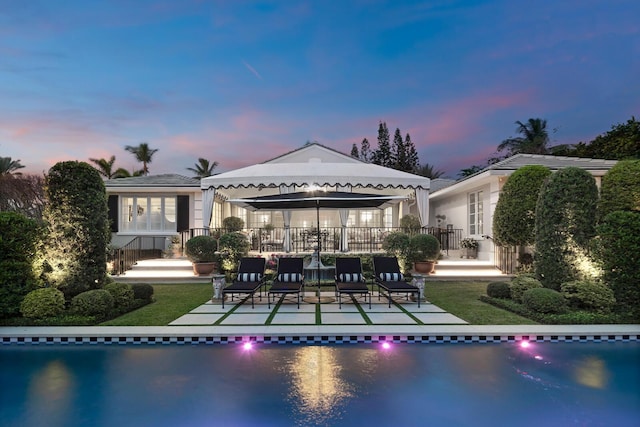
(350, 280)
(389, 278)
(289, 278)
(250, 279)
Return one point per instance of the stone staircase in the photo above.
(162, 270)
(180, 270)
(467, 270)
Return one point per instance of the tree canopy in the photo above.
(203, 168)
(143, 153)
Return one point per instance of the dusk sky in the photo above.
(240, 82)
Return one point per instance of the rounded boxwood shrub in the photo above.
(521, 284)
(97, 302)
(233, 246)
(42, 303)
(232, 223)
(544, 300)
(122, 295)
(589, 295)
(201, 249)
(143, 291)
(499, 290)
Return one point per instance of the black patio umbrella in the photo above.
(318, 200)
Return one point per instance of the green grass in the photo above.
(458, 298)
(462, 299)
(171, 302)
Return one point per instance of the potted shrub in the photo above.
(469, 247)
(424, 250)
(201, 251)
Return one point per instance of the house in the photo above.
(469, 204)
(155, 207)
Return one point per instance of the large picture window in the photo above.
(148, 214)
(475, 213)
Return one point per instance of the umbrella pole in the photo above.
(319, 245)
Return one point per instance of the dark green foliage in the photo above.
(122, 294)
(97, 303)
(589, 295)
(565, 224)
(621, 142)
(499, 290)
(233, 246)
(544, 300)
(201, 249)
(423, 247)
(397, 244)
(619, 253)
(382, 155)
(74, 255)
(567, 318)
(515, 216)
(18, 239)
(42, 303)
(522, 283)
(410, 224)
(620, 189)
(142, 291)
(232, 223)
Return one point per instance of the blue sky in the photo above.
(240, 82)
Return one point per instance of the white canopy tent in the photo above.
(318, 166)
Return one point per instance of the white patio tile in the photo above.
(439, 318)
(212, 308)
(342, 319)
(301, 318)
(427, 308)
(246, 319)
(391, 319)
(305, 307)
(197, 319)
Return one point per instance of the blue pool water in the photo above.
(546, 384)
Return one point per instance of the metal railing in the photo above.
(305, 239)
(142, 247)
(506, 259)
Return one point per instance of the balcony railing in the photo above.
(305, 239)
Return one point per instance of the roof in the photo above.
(310, 165)
(166, 180)
(513, 163)
(552, 162)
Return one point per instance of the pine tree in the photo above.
(383, 156)
(354, 151)
(398, 151)
(365, 151)
(413, 160)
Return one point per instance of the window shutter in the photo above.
(183, 214)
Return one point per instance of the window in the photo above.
(475, 213)
(148, 214)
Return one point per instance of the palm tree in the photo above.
(105, 167)
(534, 138)
(143, 154)
(9, 167)
(429, 171)
(203, 168)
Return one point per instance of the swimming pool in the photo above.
(544, 384)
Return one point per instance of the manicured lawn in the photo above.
(461, 299)
(458, 298)
(171, 302)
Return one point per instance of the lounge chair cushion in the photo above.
(289, 277)
(391, 277)
(350, 277)
(249, 277)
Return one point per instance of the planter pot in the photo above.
(204, 268)
(470, 253)
(424, 267)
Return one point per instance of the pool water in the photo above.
(506, 384)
